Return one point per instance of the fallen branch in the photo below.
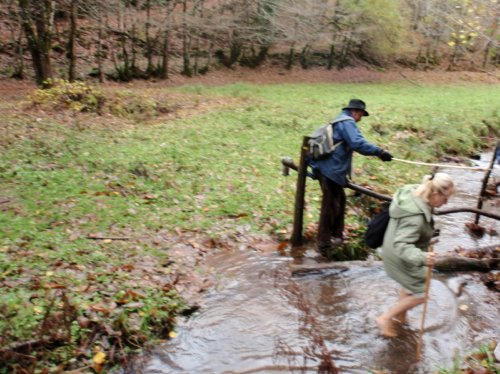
(472, 210)
(108, 237)
(452, 263)
(31, 345)
(443, 263)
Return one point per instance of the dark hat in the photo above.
(357, 104)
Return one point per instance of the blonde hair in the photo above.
(439, 182)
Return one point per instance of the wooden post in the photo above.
(485, 182)
(298, 217)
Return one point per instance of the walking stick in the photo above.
(426, 297)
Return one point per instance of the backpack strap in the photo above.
(329, 130)
(342, 117)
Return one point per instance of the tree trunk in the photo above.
(133, 39)
(99, 54)
(39, 15)
(291, 56)
(70, 49)
(16, 34)
(491, 42)
(209, 56)
(196, 56)
(331, 57)
(186, 43)
(166, 53)
(19, 72)
(149, 44)
(124, 70)
(169, 7)
(305, 56)
(345, 52)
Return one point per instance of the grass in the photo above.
(214, 169)
(481, 360)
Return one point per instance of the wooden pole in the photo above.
(485, 182)
(426, 297)
(298, 217)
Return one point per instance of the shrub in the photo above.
(64, 95)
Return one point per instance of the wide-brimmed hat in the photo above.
(357, 104)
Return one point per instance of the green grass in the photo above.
(212, 172)
(481, 360)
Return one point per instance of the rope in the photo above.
(441, 165)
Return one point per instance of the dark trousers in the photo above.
(331, 218)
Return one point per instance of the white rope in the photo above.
(441, 165)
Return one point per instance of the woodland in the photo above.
(145, 39)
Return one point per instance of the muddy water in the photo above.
(469, 183)
(260, 319)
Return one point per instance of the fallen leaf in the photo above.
(99, 359)
(55, 286)
(463, 307)
(283, 245)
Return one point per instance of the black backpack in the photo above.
(374, 234)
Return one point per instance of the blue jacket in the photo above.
(338, 165)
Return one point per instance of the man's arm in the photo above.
(355, 140)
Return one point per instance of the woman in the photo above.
(406, 241)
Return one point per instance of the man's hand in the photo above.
(385, 156)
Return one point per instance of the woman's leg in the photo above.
(405, 303)
(401, 317)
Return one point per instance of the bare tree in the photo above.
(70, 48)
(37, 19)
(11, 19)
(146, 38)
(491, 46)
(166, 31)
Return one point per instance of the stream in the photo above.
(261, 319)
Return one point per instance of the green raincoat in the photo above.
(407, 239)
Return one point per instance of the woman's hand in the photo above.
(430, 258)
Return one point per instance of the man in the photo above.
(333, 170)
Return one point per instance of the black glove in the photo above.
(385, 156)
